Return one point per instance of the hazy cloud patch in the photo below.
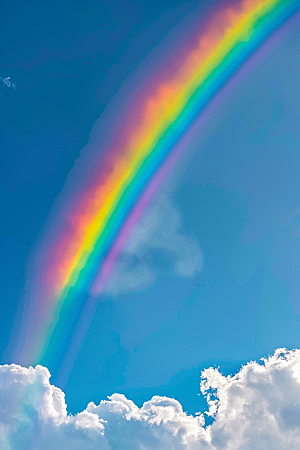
(160, 232)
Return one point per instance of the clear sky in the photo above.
(236, 200)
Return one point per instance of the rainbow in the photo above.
(136, 162)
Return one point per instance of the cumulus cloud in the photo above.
(161, 232)
(258, 408)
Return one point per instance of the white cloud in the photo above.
(7, 81)
(161, 231)
(258, 408)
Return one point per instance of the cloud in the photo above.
(7, 81)
(258, 408)
(161, 232)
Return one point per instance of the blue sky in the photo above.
(237, 195)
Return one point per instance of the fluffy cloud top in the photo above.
(258, 408)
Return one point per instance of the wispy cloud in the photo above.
(7, 81)
(258, 408)
(160, 233)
